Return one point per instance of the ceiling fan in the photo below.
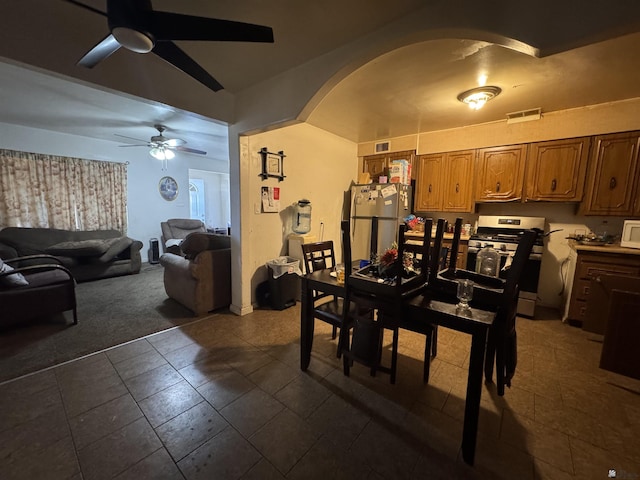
(161, 147)
(137, 27)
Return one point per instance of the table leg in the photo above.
(474, 391)
(306, 325)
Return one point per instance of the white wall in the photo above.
(318, 166)
(146, 208)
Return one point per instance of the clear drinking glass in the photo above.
(340, 273)
(465, 292)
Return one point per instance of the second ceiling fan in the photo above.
(133, 24)
(161, 147)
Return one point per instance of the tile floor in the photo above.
(224, 398)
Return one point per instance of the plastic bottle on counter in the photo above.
(488, 261)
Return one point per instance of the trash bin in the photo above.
(283, 281)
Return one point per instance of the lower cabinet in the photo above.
(589, 265)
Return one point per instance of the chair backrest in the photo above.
(435, 260)
(415, 251)
(176, 228)
(455, 244)
(345, 230)
(318, 256)
(525, 245)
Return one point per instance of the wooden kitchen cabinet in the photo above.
(556, 170)
(589, 265)
(457, 188)
(378, 164)
(612, 179)
(500, 173)
(444, 182)
(428, 194)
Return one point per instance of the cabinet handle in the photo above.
(612, 183)
(497, 186)
(553, 185)
(429, 188)
(457, 188)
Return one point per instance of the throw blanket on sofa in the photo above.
(104, 249)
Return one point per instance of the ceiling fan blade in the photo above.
(170, 52)
(140, 145)
(174, 142)
(98, 53)
(131, 138)
(87, 7)
(174, 26)
(188, 150)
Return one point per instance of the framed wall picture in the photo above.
(168, 188)
(272, 164)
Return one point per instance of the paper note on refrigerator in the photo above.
(388, 191)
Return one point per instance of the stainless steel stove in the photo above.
(503, 233)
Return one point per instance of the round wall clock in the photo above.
(168, 188)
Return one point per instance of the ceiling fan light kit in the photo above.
(163, 148)
(477, 97)
(161, 153)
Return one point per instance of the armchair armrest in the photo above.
(40, 268)
(30, 258)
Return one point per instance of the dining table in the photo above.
(427, 308)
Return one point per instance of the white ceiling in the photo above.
(409, 89)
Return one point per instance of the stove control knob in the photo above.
(503, 247)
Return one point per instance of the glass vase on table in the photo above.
(464, 293)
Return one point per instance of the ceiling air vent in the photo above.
(524, 115)
(382, 147)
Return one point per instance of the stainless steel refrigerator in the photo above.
(390, 202)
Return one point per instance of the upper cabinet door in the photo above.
(500, 173)
(376, 165)
(408, 155)
(428, 195)
(613, 172)
(457, 188)
(556, 170)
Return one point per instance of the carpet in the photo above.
(111, 311)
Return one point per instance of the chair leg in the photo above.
(334, 332)
(490, 357)
(75, 316)
(428, 348)
(500, 363)
(394, 355)
(345, 365)
(434, 342)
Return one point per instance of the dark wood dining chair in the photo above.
(499, 296)
(326, 307)
(385, 299)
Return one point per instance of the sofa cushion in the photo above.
(117, 246)
(80, 248)
(197, 242)
(13, 280)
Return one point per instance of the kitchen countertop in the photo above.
(447, 236)
(611, 248)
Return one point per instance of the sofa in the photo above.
(201, 279)
(175, 230)
(89, 254)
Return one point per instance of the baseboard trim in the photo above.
(240, 311)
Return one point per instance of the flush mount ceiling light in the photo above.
(477, 97)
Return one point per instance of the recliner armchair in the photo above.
(201, 280)
(175, 230)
